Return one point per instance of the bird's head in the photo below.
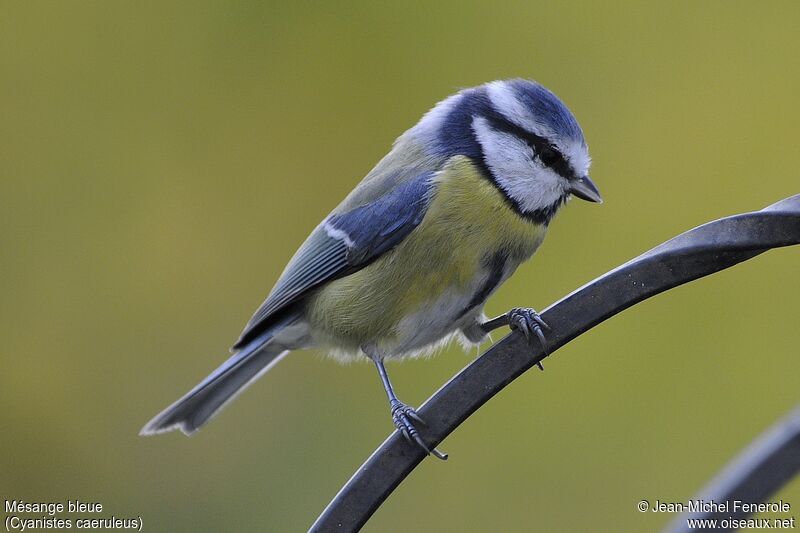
(523, 138)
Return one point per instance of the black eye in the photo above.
(549, 156)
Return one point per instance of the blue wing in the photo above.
(344, 243)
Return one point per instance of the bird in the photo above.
(406, 262)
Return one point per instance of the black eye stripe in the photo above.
(540, 146)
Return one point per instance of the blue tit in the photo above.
(406, 262)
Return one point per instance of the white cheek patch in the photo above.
(525, 180)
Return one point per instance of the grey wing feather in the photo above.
(320, 256)
(344, 243)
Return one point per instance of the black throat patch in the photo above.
(496, 264)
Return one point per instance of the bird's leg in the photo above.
(525, 320)
(402, 414)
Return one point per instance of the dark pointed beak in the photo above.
(585, 189)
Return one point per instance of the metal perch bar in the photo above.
(761, 469)
(699, 252)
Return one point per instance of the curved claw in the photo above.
(538, 319)
(421, 443)
(540, 334)
(528, 321)
(413, 414)
(525, 329)
(401, 415)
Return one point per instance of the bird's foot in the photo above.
(529, 322)
(402, 416)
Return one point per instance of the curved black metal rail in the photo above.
(759, 471)
(699, 252)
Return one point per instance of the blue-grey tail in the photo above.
(205, 400)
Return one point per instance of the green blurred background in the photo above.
(161, 161)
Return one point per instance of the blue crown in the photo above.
(547, 108)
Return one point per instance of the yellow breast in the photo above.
(467, 221)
